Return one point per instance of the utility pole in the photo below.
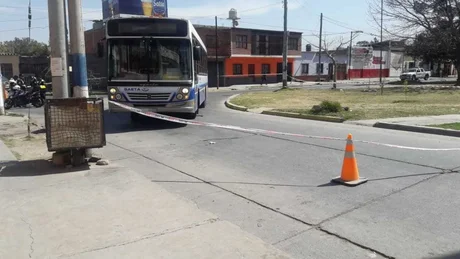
(58, 51)
(77, 49)
(381, 45)
(285, 45)
(30, 18)
(320, 46)
(389, 57)
(350, 52)
(217, 62)
(67, 44)
(2, 96)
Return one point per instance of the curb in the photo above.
(7, 157)
(14, 114)
(304, 116)
(232, 106)
(419, 129)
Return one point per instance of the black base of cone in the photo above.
(350, 183)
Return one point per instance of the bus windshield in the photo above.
(150, 59)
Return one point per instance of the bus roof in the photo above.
(191, 29)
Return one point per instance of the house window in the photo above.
(210, 41)
(237, 69)
(293, 44)
(242, 41)
(305, 69)
(265, 68)
(318, 68)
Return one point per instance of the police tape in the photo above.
(262, 131)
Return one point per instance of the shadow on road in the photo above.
(450, 256)
(35, 168)
(121, 123)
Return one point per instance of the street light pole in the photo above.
(350, 52)
(381, 44)
(285, 45)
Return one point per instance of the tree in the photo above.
(331, 53)
(363, 43)
(436, 21)
(24, 47)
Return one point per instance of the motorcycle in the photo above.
(39, 85)
(22, 96)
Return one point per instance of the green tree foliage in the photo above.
(24, 47)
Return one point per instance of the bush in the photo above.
(332, 107)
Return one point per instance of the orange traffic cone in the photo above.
(350, 172)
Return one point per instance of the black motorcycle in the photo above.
(27, 95)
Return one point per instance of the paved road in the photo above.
(278, 188)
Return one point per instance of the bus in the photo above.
(155, 64)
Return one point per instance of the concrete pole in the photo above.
(77, 49)
(217, 57)
(320, 46)
(349, 55)
(58, 50)
(285, 45)
(2, 99)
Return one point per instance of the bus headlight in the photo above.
(184, 91)
(180, 96)
(113, 91)
(118, 97)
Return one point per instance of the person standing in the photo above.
(264, 77)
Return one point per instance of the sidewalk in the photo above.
(360, 82)
(412, 121)
(105, 212)
(415, 124)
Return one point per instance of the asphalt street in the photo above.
(279, 189)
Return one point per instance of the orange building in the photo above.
(244, 55)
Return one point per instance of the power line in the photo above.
(240, 11)
(44, 27)
(46, 18)
(302, 30)
(338, 23)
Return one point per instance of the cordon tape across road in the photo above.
(261, 131)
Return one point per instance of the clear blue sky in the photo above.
(340, 16)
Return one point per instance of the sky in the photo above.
(340, 17)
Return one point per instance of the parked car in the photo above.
(415, 74)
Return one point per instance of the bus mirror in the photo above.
(197, 53)
(100, 49)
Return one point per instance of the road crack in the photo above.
(32, 240)
(314, 226)
(146, 237)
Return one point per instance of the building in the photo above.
(244, 54)
(9, 64)
(307, 66)
(389, 53)
(365, 62)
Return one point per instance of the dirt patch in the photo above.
(14, 133)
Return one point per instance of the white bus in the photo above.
(156, 64)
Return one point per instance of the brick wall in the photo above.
(241, 51)
(208, 34)
(92, 37)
